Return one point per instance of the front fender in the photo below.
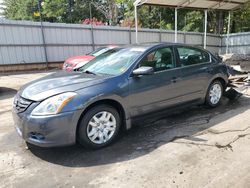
(115, 90)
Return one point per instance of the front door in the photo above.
(153, 92)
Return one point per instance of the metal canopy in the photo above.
(193, 4)
(197, 4)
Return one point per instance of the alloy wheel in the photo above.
(101, 127)
(215, 93)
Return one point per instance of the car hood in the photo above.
(57, 83)
(79, 58)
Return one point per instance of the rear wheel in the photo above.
(99, 127)
(214, 94)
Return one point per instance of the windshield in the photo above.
(113, 64)
(99, 51)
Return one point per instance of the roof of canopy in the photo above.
(198, 4)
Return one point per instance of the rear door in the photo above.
(196, 71)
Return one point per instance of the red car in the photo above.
(76, 62)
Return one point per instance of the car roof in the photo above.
(147, 46)
(164, 43)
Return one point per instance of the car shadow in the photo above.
(6, 93)
(146, 137)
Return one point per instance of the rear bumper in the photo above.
(47, 131)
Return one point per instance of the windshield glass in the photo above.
(99, 51)
(113, 64)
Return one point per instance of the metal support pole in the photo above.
(160, 40)
(91, 27)
(136, 24)
(185, 37)
(130, 36)
(175, 25)
(205, 30)
(42, 32)
(228, 30)
(160, 28)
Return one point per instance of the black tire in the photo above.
(82, 135)
(208, 100)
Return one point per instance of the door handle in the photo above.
(175, 79)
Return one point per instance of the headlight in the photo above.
(66, 64)
(80, 64)
(53, 105)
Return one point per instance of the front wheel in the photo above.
(99, 127)
(214, 94)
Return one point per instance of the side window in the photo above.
(161, 59)
(191, 56)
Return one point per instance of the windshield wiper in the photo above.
(89, 72)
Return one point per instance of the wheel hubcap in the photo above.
(101, 127)
(215, 93)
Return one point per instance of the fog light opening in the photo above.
(36, 136)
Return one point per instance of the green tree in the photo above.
(55, 11)
(191, 21)
(69, 11)
(20, 9)
(113, 11)
(241, 19)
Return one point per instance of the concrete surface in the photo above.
(196, 147)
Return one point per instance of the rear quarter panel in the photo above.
(219, 71)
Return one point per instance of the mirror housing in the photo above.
(143, 71)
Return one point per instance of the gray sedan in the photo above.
(93, 105)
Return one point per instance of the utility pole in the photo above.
(42, 32)
(91, 27)
(70, 10)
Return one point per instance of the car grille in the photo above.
(20, 104)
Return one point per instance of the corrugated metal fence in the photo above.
(21, 41)
(239, 43)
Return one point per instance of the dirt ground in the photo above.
(196, 147)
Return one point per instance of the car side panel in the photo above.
(114, 89)
(194, 80)
(153, 92)
(219, 72)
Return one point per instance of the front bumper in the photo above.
(47, 131)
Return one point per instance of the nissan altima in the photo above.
(93, 105)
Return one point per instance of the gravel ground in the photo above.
(195, 147)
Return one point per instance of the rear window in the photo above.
(192, 56)
(99, 51)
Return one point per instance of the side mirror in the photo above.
(143, 71)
